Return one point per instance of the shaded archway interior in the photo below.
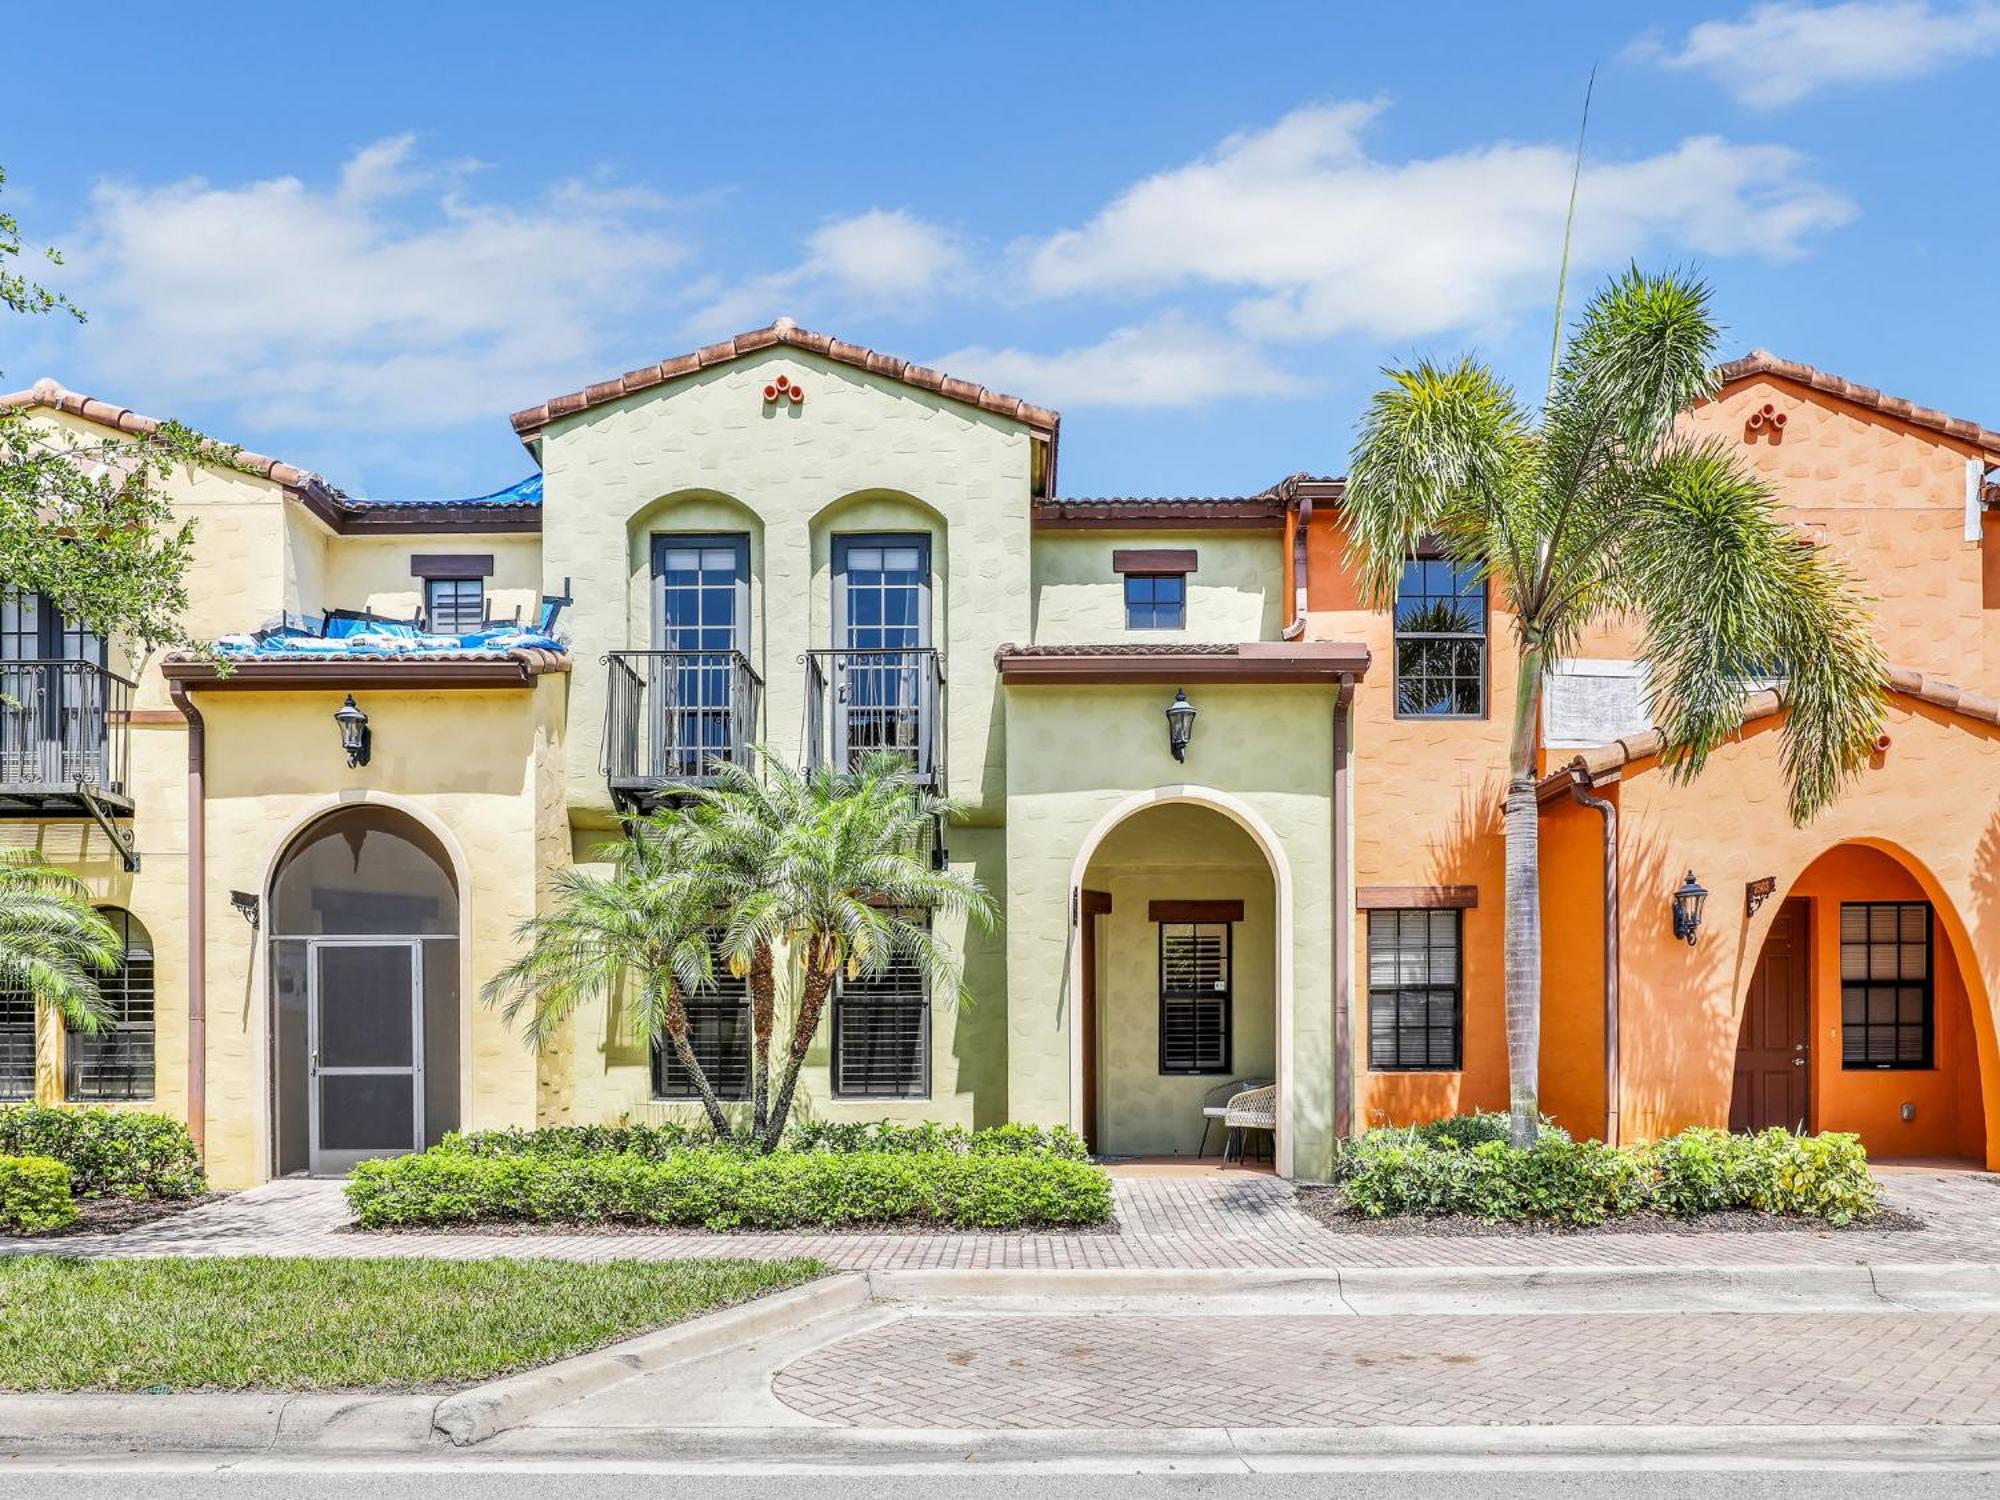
(1887, 1048)
(363, 922)
(1161, 889)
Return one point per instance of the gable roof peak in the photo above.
(1764, 362)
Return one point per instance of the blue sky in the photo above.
(357, 237)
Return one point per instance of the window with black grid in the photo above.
(882, 1033)
(1155, 601)
(17, 1044)
(1196, 972)
(1886, 995)
(1440, 641)
(1415, 989)
(116, 1061)
(455, 606)
(719, 1033)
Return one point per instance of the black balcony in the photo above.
(670, 717)
(861, 702)
(65, 739)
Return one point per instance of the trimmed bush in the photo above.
(732, 1190)
(657, 1142)
(1423, 1171)
(108, 1151)
(34, 1194)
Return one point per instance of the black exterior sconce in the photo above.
(355, 737)
(1688, 902)
(1180, 724)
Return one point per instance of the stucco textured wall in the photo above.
(1233, 595)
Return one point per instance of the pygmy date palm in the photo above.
(53, 945)
(1607, 506)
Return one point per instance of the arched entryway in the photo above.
(364, 929)
(1857, 1015)
(1180, 976)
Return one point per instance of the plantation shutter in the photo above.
(17, 1044)
(1414, 994)
(1195, 977)
(719, 1033)
(116, 1062)
(882, 1033)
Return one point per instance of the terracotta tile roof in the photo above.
(1185, 662)
(107, 414)
(784, 332)
(1764, 362)
(1763, 704)
(1130, 512)
(413, 668)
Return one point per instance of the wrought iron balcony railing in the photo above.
(65, 736)
(671, 716)
(861, 702)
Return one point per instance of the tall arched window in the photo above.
(363, 917)
(116, 1062)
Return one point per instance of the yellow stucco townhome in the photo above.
(781, 540)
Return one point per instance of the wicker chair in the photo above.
(1216, 1105)
(1253, 1109)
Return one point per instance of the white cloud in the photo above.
(1314, 238)
(881, 260)
(391, 300)
(1778, 54)
(1166, 363)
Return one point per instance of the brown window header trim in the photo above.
(452, 565)
(1194, 911)
(1154, 560)
(1415, 897)
(1186, 664)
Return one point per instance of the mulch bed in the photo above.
(116, 1215)
(1328, 1208)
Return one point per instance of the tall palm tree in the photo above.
(851, 869)
(649, 921)
(1605, 507)
(53, 944)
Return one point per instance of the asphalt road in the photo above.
(489, 1483)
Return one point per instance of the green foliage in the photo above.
(657, 1141)
(20, 292)
(125, 1152)
(729, 1190)
(995, 1140)
(1467, 1167)
(237, 1323)
(53, 943)
(34, 1194)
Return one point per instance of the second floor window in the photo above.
(1440, 641)
(455, 606)
(1155, 601)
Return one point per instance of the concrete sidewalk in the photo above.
(1214, 1221)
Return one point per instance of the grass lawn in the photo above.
(299, 1324)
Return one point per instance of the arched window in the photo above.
(116, 1062)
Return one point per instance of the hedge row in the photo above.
(657, 1142)
(728, 1190)
(34, 1194)
(126, 1152)
(1464, 1167)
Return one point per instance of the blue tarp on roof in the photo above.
(362, 636)
(524, 492)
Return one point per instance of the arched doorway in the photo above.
(1180, 978)
(363, 922)
(1857, 1015)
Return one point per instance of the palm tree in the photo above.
(649, 921)
(1607, 507)
(53, 943)
(851, 869)
(736, 831)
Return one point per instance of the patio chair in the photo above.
(1215, 1107)
(1254, 1109)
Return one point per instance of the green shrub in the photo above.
(657, 1142)
(1461, 1167)
(34, 1194)
(730, 1190)
(126, 1152)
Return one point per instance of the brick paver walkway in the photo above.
(1164, 1222)
(1125, 1371)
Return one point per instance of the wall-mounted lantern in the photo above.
(354, 736)
(1688, 902)
(245, 904)
(1180, 724)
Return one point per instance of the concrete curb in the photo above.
(1379, 1291)
(1262, 1449)
(475, 1415)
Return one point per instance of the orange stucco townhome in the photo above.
(1845, 974)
